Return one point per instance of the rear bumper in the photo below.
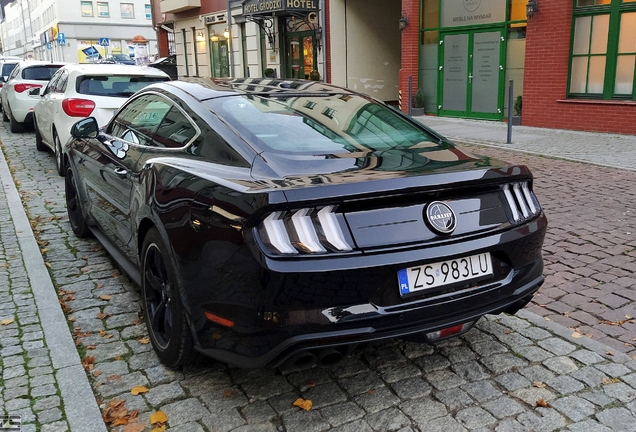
(282, 308)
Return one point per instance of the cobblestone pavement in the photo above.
(522, 373)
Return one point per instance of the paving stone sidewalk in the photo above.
(522, 373)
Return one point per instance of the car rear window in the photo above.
(332, 124)
(40, 73)
(117, 86)
(7, 68)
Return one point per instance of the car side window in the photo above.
(175, 131)
(14, 72)
(138, 121)
(51, 87)
(61, 84)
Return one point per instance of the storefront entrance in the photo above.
(472, 74)
(301, 55)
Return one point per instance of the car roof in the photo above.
(112, 69)
(210, 88)
(29, 63)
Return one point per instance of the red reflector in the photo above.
(20, 87)
(78, 107)
(451, 331)
(217, 319)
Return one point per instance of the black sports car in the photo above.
(271, 221)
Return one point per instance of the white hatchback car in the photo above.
(86, 90)
(17, 103)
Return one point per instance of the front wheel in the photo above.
(163, 311)
(74, 206)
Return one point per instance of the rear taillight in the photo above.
(78, 107)
(21, 87)
(306, 231)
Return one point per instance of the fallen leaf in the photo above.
(144, 341)
(105, 335)
(547, 319)
(228, 393)
(118, 358)
(47, 264)
(136, 322)
(607, 381)
(609, 353)
(103, 315)
(216, 336)
(507, 331)
(577, 335)
(542, 403)
(88, 363)
(305, 404)
(99, 286)
(105, 297)
(133, 427)
(120, 422)
(161, 428)
(311, 383)
(91, 347)
(97, 373)
(138, 390)
(538, 384)
(113, 378)
(7, 321)
(158, 417)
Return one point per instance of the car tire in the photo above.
(14, 125)
(59, 157)
(163, 311)
(74, 206)
(39, 144)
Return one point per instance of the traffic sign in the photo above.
(104, 42)
(48, 46)
(61, 39)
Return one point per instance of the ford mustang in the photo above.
(277, 222)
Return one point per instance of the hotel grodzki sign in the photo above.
(253, 7)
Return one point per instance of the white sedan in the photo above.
(17, 102)
(87, 90)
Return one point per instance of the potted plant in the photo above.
(516, 111)
(314, 75)
(418, 103)
(270, 73)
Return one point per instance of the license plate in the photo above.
(443, 273)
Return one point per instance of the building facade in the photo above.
(59, 31)
(571, 63)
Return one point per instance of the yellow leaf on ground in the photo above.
(144, 341)
(158, 417)
(138, 390)
(538, 384)
(577, 335)
(7, 321)
(105, 297)
(305, 404)
(161, 428)
(97, 373)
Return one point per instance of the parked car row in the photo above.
(274, 221)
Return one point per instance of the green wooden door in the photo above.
(219, 58)
(471, 78)
(300, 55)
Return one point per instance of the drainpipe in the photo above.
(323, 40)
(229, 40)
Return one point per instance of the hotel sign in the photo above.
(256, 7)
(457, 13)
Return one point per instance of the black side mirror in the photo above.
(85, 128)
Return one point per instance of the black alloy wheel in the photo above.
(39, 144)
(14, 125)
(74, 206)
(59, 165)
(164, 314)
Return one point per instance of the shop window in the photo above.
(87, 8)
(604, 50)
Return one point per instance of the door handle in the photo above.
(120, 171)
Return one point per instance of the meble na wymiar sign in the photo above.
(252, 7)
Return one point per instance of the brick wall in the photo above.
(410, 49)
(546, 75)
(327, 47)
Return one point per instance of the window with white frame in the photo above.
(87, 8)
(102, 10)
(127, 10)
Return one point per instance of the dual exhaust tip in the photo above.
(323, 357)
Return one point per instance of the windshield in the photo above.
(121, 57)
(115, 85)
(329, 124)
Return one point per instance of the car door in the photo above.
(109, 166)
(44, 110)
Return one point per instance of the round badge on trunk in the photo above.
(441, 217)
